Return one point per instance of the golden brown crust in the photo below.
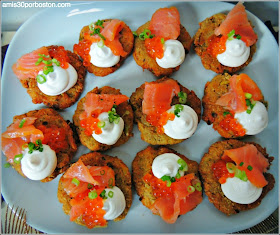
(149, 132)
(64, 100)
(143, 59)
(212, 186)
(122, 180)
(142, 164)
(49, 117)
(212, 113)
(201, 42)
(126, 39)
(125, 112)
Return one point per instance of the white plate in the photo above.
(61, 26)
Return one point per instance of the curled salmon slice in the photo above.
(104, 175)
(237, 20)
(249, 159)
(157, 97)
(26, 67)
(235, 99)
(101, 103)
(165, 23)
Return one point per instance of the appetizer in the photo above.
(226, 43)
(234, 175)
(95, 189)
(165, 111)
(103, 119)
(39, 144)
(167, 182)
(162, 43)
(104, 45)
(52, 76)
(235, 105)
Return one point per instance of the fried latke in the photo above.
(212, 187)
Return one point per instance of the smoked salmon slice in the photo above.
(104, 175)
(17, 134)
(235, 99)
(101, 103)
(237, 20)
(165, 23)
(26, 67)
(249, 159)
(157, 97)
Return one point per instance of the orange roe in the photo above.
(154, 47)
(83, 49)
(55, 137)
(60, 54)
(229, 123)
(90, 124)
(217, 45)
(160, 120)
(220, 171)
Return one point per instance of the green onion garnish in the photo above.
(230, 167)
(172, 179)
(31, 147)
(7, 165)
(24, 146)
(162, 40)
(41, 79)
(182, 97)
(99, 23)
(178, 109)
(191, 189)
(238, 37)
(97, 31)
(56, 61)
(226, 113)
(117, 120)
(47, 62)
(249, 167)
(101, 124)
(113, 116)
(241, 175)
(92, 194)
(183, 165)
(89, 186)
(198, 186)
(178, 176)
(134, 34)
(168, 183)
(21, 123)
(241, 164)
(102, 172)
(248, 95)
(103, 194)
(231, 34)
(146, 34)
(75, 181)
(39, 61)
(18, 158)
(43, 55)
(110, 194)
(165, 178)
(101, 43)
(110, 183)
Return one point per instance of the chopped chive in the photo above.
(248, 95)
(248, 111)
(101, 44)
(178, 176)
(21, 123)
(230, 167)
(238, 37)
(102, 172)
(47, 62)
(241, 164)
(248, 102)
(7, 165)
(198, 186)
(110, 194)
(43, 55)
(172, 179)
(17, 158)
(89, 186)
(178, 109)
(165, 178)
(103, 194)
(249, 167)
(101, 124)
(226, 113)
(39, 61)
(56, 61)
(110, 183)
(99, 23)
(134, 33)
(91, 26)
(75, 181)
(24, 146)
(168, 183)
(92, 194)
(117, 120)
(191, 189)
(39, 142)
(231, 34)
(41, 79)
(162, 40)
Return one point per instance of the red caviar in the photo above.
(220, 171)
(154, 47)
(229, 123)
(217, 45)
(55, 137)
(160, 120)
(83, 49)
(60, 54)
(90, 124)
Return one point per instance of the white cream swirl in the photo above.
(102, 56)
(115, 205)
(236, 53)
(58, 81)
(38, 165)
(111, 132)
(256, 121)
(166, 164)
(184, 126)
(174, 54)
(240, 191)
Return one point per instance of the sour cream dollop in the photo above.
(174, 54)
(236, 53)
(102, 56)
(256, 121)
(240, 191)
(38, 165)
(166, 164)
(114, 206)
(181, 127)
(111, 132)
(58, 81)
